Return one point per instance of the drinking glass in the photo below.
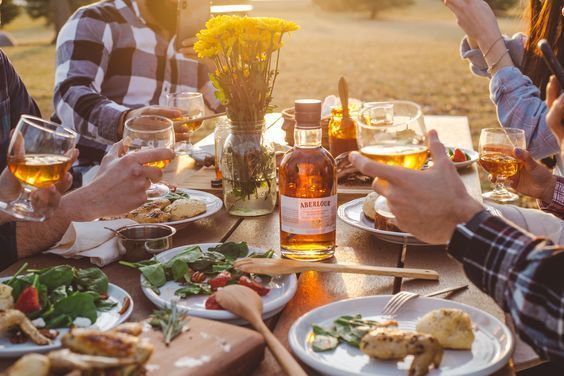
(150, 132)
(192, 106)
(496, 157)
(38, 156)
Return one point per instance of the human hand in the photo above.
(430, 203)
(533, 179)
(121, 183)
(555, 103)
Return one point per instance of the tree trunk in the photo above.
(373, 13)
(60, 11)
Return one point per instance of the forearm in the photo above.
(35, 237)
(507, 263)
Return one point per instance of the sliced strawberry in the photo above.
(28, 301)
(246, 281)
(220, 280)
(458, 156)
(211, 303)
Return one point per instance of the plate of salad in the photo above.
(190, 275)
(38, 306)
(462, 158)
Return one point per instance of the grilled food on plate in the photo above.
(166, 210)
(391, 343)
(451, 327)
(29, 365)
(14, 318)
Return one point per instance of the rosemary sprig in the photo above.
(171, 322)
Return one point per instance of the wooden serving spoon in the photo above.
(282, 266)
(346, 121)
(247, 304)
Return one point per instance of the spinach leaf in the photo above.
(154, 274)
(137, 265)
(78, 304)
(19, 284)
(191, 289)
(189, 255)
(56, 276)
(91, 279)
(58, 321)
(232, 250)
(178, 269)
(203, 265)
(105, 305)
(58, 294)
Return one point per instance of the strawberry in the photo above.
(220, 280)
(28, 301)
(246, 281)
(211, 303)
(458, 156)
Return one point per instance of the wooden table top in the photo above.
(314, 289)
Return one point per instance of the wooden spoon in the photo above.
(281, 266)
(344, 96)
(247, 304)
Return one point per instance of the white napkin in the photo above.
(91, 239)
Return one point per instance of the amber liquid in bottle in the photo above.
(308, 199)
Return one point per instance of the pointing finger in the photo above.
(368, 167)
(437, 148)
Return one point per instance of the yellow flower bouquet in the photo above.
(246, 53)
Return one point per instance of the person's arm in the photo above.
(83, 53)
(21, 103)
(470, 50)
(519, 105)
(522, 274)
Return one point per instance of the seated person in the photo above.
(121, 181)
(518, 73)
(520, 271)
(115, 60)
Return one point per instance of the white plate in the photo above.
(474, 155)
(351, 213)
(213, 205)
(492, 347)
(282, 289)
(106, 321)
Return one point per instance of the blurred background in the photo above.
(387, 49)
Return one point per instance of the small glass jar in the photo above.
(342, 135)
(220, 134)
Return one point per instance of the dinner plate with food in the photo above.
(189, 276)
(460, 157)
(39, 306)
(427, 336)
(370, 213)
(177, 208)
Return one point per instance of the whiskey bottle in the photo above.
(308, 190)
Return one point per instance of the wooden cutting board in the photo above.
(207, 348)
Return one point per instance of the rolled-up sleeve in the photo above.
(478, 65)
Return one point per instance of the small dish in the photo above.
(149, 237)
(471, 157)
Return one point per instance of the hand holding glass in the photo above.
(39, 156)
(192, 106)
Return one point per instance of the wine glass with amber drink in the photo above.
(150, 132)
(193, 108)
(496, 157)
(392, 133)
(39, 156)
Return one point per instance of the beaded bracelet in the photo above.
(490, 69)
(492, 46)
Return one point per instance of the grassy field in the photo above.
(410, 54)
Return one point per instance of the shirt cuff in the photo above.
(506, 80)
(478, 64)
(108, 120)
(557, 203)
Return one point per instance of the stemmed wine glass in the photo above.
(150, 132)
(192, 106)
(38, 156)
(392, 133)
(496, 157)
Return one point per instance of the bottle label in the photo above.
(308, 216)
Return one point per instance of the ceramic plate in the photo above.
(213, 204)
(106, 321)
(352, 213)
(282, 290)
(492, 347)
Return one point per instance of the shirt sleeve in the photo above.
(83, 54)
(556, 206)
(21, 103)
(478, 65)
(523, 274)
(519, 105)
(8, 245)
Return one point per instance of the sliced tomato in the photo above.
(211, 303)
(246, 281)
(220, 280)
(458, 156)
(28, 301)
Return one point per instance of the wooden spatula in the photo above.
(281, 266)
(344, 95)
(246, 304)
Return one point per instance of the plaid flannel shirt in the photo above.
(556, 206)
(524, 276)
(109, 61)
(14, 102)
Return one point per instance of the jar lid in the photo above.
(308, 113)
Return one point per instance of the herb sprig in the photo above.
(170, 321)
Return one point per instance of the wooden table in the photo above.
(314, 289)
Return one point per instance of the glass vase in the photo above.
(248, 169)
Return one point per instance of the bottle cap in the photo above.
(308, 113)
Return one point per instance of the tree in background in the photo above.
(8, 11)
(373, 6)
(501, 6)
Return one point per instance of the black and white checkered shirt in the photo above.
(109, 61)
